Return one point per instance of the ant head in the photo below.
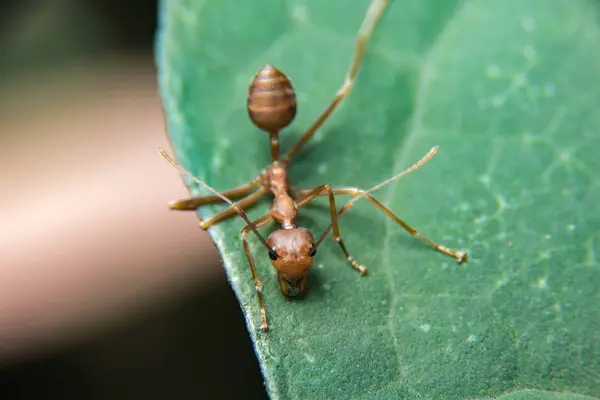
(291, 252)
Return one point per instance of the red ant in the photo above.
(271, 106)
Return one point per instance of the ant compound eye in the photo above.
(313, 250)
(272, 254)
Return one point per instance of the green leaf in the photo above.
(509, 90)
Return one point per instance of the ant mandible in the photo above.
(271, 106)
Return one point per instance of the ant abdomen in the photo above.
(271, 100)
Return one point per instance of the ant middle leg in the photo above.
(374, 13)
(264, 326)
(325, 190)
(194, 202)
(230, 211)
(459, 256)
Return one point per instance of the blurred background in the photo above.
(104, 292)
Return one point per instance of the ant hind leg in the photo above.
(372, 17)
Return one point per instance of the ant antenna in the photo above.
(353, 200)
(237, 208)
(407, 171)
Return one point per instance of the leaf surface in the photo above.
(509, 90)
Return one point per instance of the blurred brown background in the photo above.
(104, 292)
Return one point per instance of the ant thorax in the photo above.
(275, 177)
(283, 209)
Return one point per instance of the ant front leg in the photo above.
(459, 256)
(264, 326)
(325, 190)
(374, 12)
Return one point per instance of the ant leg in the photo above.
(460, 256)
(194, 202)
(230, 211)
(322, 191)
(376, 9)
(264, 326)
